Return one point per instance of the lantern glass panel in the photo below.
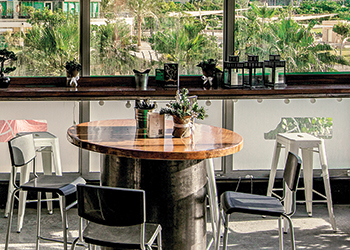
(268, 74)
(233, 73)
(275, 72)
(257, 77)
(236, 77)
(279, 75)
(255, 69)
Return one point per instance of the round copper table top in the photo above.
(120, 137)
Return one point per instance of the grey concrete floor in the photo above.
(246, 231)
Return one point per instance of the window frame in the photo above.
(227, 105)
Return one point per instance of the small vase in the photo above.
(141, 120)
(4, 82)
(182, 127)
(72, 78)
(141, 79)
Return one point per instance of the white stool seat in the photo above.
(47, 144)
(307, 143)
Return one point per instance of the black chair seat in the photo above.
(119, 237)
(251, 203)
(63, 185)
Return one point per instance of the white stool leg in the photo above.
(24, 177)
(212, 216)
(307, 156)
(214, 195)
(47, 167)
(325, 174)
(213, 199)
(57, 157)
(58, 171)
(275, 159)
(9, 193)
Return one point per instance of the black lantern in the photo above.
(275, 71)
(233, 72)
(255, 70)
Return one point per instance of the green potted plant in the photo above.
(183, 110)
(6, 56)
(211, 74)
(72, 67)
(208, 66)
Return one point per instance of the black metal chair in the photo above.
(116, 217)
(235, 202)
(22, 152)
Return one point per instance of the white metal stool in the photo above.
(307, 143)
(47, 144)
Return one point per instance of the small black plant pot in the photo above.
(4, 82)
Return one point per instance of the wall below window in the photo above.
(254, 119)
(59, 117)
(251, 118)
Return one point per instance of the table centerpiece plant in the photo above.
(6, 56)
(184, 110)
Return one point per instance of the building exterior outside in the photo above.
(328, 35)
(13, 14)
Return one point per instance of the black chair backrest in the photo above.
(111, 206)
(22, 150)
(292, 171)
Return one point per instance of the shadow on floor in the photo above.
(246, 231)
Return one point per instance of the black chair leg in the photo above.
(291, 231)
(64, 223)
(226, 224)
(38, 220)
(9, 222)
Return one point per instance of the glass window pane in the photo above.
(146, 34)
(299, 33)
(44, 36)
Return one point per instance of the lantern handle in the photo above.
(274, 47)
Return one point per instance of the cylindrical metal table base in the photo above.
(175, 195)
